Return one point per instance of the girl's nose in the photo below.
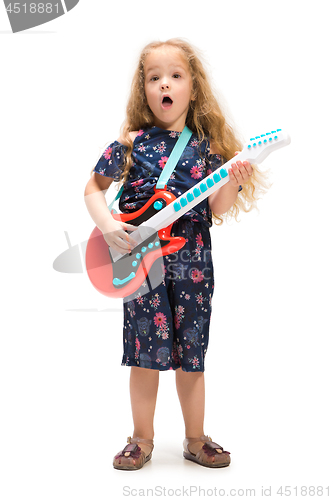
(165, 86)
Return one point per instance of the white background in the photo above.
(64, 396)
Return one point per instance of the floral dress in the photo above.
(168, 327)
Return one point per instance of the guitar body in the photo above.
(121, 278)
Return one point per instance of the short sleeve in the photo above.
(111, 162)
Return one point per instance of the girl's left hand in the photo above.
(240, 172)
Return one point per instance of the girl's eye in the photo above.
(176, 75)
(154, 78)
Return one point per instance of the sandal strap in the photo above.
(137, 440)
(196, 439)
(209, 446)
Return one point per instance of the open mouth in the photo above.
(166, 102)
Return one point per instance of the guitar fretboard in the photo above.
(255, 150)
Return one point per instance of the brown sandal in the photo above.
(210, 455)
(132, 457)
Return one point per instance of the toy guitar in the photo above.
(117, 275)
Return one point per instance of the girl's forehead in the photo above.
(165, 55)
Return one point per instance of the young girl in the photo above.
(167, 329)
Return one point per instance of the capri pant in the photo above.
(168, 327)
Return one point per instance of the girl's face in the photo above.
(168, 87)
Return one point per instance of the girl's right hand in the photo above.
(116, 237)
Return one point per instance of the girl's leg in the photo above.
(191, 393)
(143, 391)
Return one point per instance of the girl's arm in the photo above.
(224, 198)
(94, 197)
(114, 232)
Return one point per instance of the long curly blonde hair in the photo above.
(205, 118)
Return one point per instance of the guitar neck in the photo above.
(255, 151)
(189, 199)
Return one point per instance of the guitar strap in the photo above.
(170, 164)
(173, 158)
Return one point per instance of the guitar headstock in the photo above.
(260, 146)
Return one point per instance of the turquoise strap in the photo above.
(116, 198)
(174, 157)
(170, 164)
